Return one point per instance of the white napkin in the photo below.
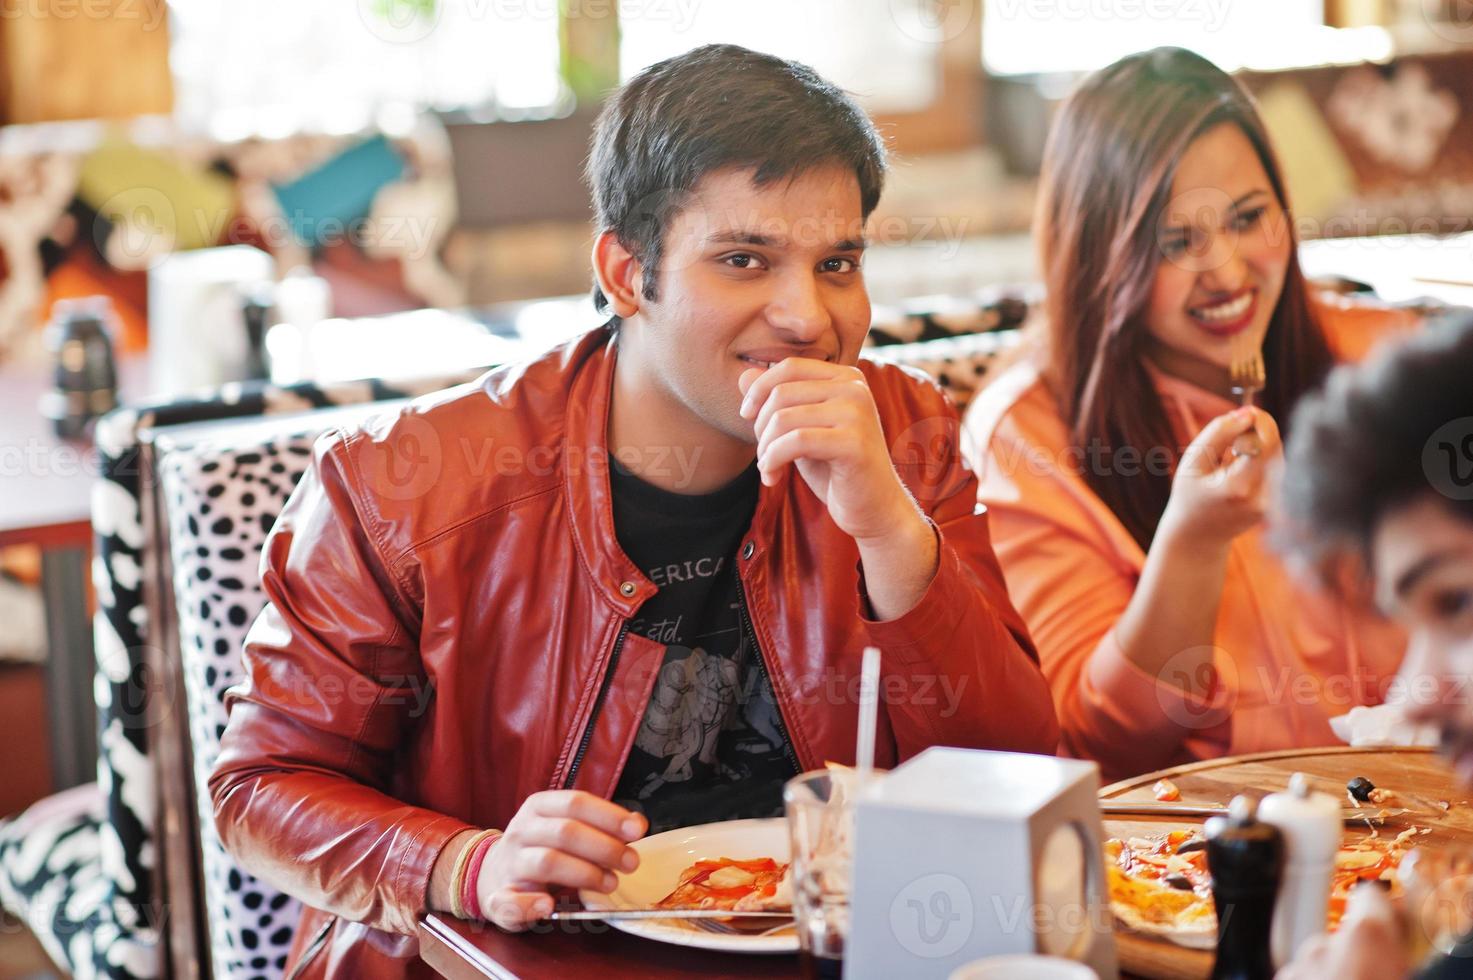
(1384, 724)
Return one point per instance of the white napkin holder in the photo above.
(961, 854)
(196, 331)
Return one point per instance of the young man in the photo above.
(1379, 471)
(656, 639)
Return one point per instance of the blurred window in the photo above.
(1049, 36)
(275, 66)
(886, 52)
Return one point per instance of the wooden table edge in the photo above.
(1133, 782)
(59, 534)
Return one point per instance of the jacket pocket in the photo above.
(313, 949)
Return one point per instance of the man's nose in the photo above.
(798, 310)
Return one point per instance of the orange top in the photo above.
(1288, 657)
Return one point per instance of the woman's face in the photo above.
(1224, 251)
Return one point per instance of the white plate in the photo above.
(664, 856)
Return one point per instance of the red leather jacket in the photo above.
(446, 635)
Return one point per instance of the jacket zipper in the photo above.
(313, 948)
(766, 676)
(598, 702)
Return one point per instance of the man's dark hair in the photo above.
(715, 107)
(1381, 434)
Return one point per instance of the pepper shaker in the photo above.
(86, 379)
(1310, 824)
(1246, 857)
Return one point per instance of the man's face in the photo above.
(1423, 556)
(750, 275)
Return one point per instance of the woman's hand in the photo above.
(558, 839)
(1216, 495)
(1367, 946)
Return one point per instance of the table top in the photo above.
(48, 480)
(463, 950)
(1414, 774)
(470, 951)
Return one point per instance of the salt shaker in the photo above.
(1310, 824)
(1246, 858)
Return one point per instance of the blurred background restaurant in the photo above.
(212, 211)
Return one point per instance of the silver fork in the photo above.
(725, 929)
(1247, 378)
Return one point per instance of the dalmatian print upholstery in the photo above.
(221, 501)
(961, 364)
(111, 866)
(53, 875)
(941, 317)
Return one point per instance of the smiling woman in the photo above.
(1133, 549)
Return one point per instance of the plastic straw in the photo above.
(869, 690)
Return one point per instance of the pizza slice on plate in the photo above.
(741, 886)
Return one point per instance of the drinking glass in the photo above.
(820, 810)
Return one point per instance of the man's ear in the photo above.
(618, 274)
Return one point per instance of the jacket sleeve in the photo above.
(963, 640)
(301, 786)
(1071, 571)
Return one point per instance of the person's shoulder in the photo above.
(1018, 402)
(446, 457)
(902, 387)
(1353, 325)
(517, 400)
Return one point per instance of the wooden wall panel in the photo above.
(83, 59)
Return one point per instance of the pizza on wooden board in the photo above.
(1160, 885)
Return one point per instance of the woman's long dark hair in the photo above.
(1107, 174)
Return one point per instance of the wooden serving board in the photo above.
(1411, 771)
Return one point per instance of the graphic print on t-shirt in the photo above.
(711, 745)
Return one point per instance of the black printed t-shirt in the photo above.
(712, 744)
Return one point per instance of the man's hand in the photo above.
(821, 418)
(1367, 946)
(558, 839)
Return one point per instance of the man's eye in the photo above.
(839, 264)
(742, 260)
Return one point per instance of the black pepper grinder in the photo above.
(255, 309)
(1246, 858)
(86, 379)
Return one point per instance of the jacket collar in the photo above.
(590, 498)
